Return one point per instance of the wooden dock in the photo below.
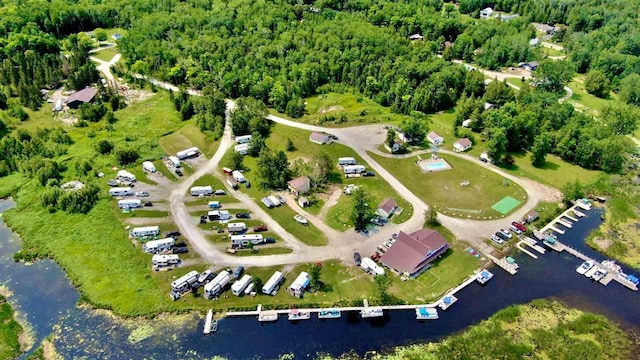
(564, 222)
(520, 245)
(534, 245)
(506, 266)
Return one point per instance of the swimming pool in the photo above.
(434, 165)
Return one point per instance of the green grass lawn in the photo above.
(263, 251)
(585, 100)
(188, 136)
(518, 82)
(9, 331)
(10, 184)
(551, 52)
(144, 214)
(443, 190)
(105, 54)
(356, 109)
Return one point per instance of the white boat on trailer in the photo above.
(584, 267)
(299, 218)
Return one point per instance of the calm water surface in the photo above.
(46, 300)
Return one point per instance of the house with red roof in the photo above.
(412, 253)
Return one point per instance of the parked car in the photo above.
(501, 236)
(378, 221)
(112, 183)
(220, 230)
(239, 270)
(179, 172)
(394, 236)
(142, 194)
(357, 258)
(497, 239)
(281, 199)
(260, 228)
(220, 192)
(180, 243)
(369, 173)
(333, 137)
(515, 229)
(269, 240)
(245, 215)
(520, 226)
(180, 250)
(506, 233)
(173, 234)
(387, 244)
(247, 184)
(148, 204)
(382, 249)
(375, 256)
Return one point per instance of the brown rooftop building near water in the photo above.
(83, 96)
(412, 253)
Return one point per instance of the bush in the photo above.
(127, 156)
(104, 147)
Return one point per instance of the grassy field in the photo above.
(10, 184)
(9, 331)
(355, 109)
(188, 136)
(541, 329)
(144, 214)
(551, 52)
(582, 99)
(518, 82)
(262, 251)
(105, 54)
(443, 190)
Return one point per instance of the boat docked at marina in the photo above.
(599, 274)
(589, 273)
(611, 266)
(447, 301)
(484, 276)
(329, 314)
(296, 314)
(426, 313)
(371, 312)
(584, 267)
(267, 316)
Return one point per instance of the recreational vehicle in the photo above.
(120, 191)
(160, 261)
(236, 227)
(344, 161)
(145, 231)
(371, 267)
(201, 190)
(156, 246)
(148, 166)
(299, 285)
(354, 169)
(216, 286)
(243, 139)
(129, 203)
(214, 205)
(218, 215)
(273, 284)
(232, 182)
(242, 149)
(249, 289)
(244, 240)
(124, 175)
(188, 153)
(237, 176)
(174, 161)
(185, 282)
(239, 286)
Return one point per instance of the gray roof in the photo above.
(85, 95)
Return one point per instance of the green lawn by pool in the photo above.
(505, 205)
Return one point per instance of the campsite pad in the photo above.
(505, 205)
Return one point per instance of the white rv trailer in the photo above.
(174, 161)
(129, 203)
(218, 215)
(201, 190)
(145, 231)
(244, 240)
(249, 289)
(126, 176)
(242, 149)
(371, 267)
(273, 284)
(239, 286)
(148, 166)
(243, 139)
(237, 176)
(236, 227)
(344, 161)
(165, 260)
(299, 285)
(354, 169)
(216, 286)
(184, 282)
(120, 191)
(156, 246)
(187, 153)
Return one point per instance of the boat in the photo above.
(296, 314)
(203, 277)
(447, 301)
(512, 261)
(329, 314)
(591, 271)
(371, 312)
(484, 276)
(210, 324)
(599, 274)
(611, 265)
(299, 218)
(584, 267)
(426, 313)
(267, 316)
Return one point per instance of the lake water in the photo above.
(46, 300)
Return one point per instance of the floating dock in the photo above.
(533, 244)
(329, 314)
(520, 246)
(207, 323)
(426, 313)
(564, 222)
(447, 301)
(510, 267)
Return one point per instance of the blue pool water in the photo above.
(440, 165)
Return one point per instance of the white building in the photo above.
(156, 246)
(124, 175)
(299, 285)
(129, 203)
(120, 191)
(243, 139)
(201, 190)
(467, 123)
(273, 284)
(148, 166)
(435, 139)
(217, 285)
(354, 169)
(145, 231)
(237, 176)
(486, 12)
(174, 161)
(320, 138)
(188, 153)
(239, 286)
(462, 145)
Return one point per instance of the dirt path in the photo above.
(331, 202)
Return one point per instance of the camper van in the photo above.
(201, 190)
(273, 284)
(242, 149)
(163, 261)
(239, 286)
(124, 175)
(299, 285)
(145, 231)
(120, 191)
(236, 227)
(237, 176)
(156, 246)
(232, 182)
(183, 284)
(188, 153)
(344, 161)
(217, 285)
(214, 205)
(243, 139)
(354, 169)
(218, 215)
(129, 203)
(244, 240)
(174, 161)
(148, 166)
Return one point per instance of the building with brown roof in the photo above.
(387, 207)
(300, 185)
(320, 138)
(461, 145)
(83, 96)
(412, 253)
